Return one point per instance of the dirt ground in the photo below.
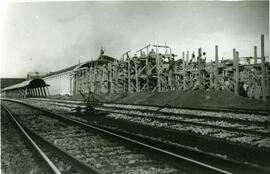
(186, 98)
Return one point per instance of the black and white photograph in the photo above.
(135, 87)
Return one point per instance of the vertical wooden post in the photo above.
(84, 81)
(184, 73)
(25, 92)
(263, 68)
(200, 69)
(216, 68)
(40, 92)
(129, 80)
(116, 76)
(136, 76)
(111, 78)
(211, 75)
(75, 82)
(147, 72)
(33, 92)
(41, 89)
(236, 65)
(187, 57)
(81, 80)
(158, 72)
(255, 54)
(44, 90)
(254, 90)
(36, 92)
(29, 92)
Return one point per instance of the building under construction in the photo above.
(155, 68)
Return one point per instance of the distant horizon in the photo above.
(49, 36)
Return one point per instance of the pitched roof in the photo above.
(27, 83)
(60, 71)
(5, 82)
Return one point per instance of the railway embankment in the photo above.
(188, 98)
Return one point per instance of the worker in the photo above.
(192, 58)
(203, 59)
(241, 90)
(245, 86)
(152, 51)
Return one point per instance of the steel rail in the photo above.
(206, 108)
(41, 154)
(193, 116)
(267, 134)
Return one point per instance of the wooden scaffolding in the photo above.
(153, 70)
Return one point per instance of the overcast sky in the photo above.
(48, 36)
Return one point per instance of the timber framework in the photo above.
(155, 71)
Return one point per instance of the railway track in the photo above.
(14, 150)
(200, 108)
(247, 127)
(241, 128)
(106, 155)
(55, 160)
(233, 166)
(40, 162)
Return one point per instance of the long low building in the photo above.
(61, 81)
(29, 88)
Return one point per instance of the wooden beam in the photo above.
(129, 80)
(187, 57)
(25, 92)
(184, 73)
(236, 65)
(216, 68)
(158, 73)
(33, 92)
(36, 91)
(40, 92)
(263, 68)
(45, 95)
(255, 54)
(136, 76)
(147, 74)
(200, 69)
(146, 47)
